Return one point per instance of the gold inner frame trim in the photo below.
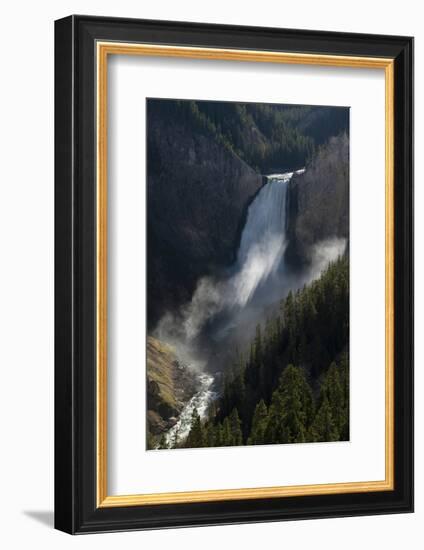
(103, 50)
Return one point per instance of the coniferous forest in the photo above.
(248, 274)
(293, 385)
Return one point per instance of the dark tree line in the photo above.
(294, 385)
(292, 416)
(268, 137)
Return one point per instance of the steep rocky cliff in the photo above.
(170, 384)
(319, 200)
(198, 192)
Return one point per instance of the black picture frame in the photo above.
(76, 510)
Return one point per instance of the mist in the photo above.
(223, 312)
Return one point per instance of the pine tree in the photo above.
(291, 410)
(344, 380)
(219, 436)
(332, 391)
(276, 430)
(324, 427)
(335, 391)
(227, 438)
(235, 426)
(210, 436)
(196, 436)
(259, 424)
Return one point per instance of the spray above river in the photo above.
(259, 257)
(257, 279)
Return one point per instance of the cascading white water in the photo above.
(263, 240)
(200, 401)
(262, 245)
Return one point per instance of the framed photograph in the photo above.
(234, 274)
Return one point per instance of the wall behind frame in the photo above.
(26, 276)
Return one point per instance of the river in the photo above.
(200, 401)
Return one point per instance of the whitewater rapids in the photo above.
(200, 401)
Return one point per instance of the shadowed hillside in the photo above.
(198, 190)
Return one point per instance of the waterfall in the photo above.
(200, 401)
(259, 261)
(263, 240)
